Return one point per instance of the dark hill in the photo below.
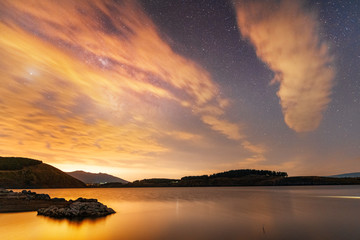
(155, 182)
(29, 173)
(347, 175)
(93, 178)
(316, 180)
(16, 163)
(242, 177)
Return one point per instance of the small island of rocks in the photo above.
(80, 208)
(52, 207)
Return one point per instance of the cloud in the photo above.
(230, 130)
(90, 82)
(286, 36)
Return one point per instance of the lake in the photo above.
(303, 212)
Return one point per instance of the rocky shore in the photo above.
(26, 201)
(52, 207)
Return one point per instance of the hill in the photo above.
(242, 177)
(347, 175)
(16, 172)
(16, 163)
(96, 178)
(316, 180)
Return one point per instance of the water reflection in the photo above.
(201, 213)
(76, 222)
(345, 197)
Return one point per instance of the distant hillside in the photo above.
(238, 174)
(93, 178)
(18, 172)
(241, 177)
(316, 180)
(347, 175)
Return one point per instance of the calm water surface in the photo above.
(201, 213)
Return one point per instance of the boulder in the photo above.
(80, 208)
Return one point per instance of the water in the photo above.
(317, 212)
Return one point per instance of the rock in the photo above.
(80, 208)
(58, 199)
(84, 200)
(34, 196)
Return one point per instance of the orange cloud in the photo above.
(286, 37)
(84, 82)
(231, 130)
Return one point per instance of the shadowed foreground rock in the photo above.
(80, 208)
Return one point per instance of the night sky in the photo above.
(159, 88)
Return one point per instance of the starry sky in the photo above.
(160, 88)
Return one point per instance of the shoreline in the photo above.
(224, 186)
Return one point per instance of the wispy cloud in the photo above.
(93, 82)
(286, 36)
